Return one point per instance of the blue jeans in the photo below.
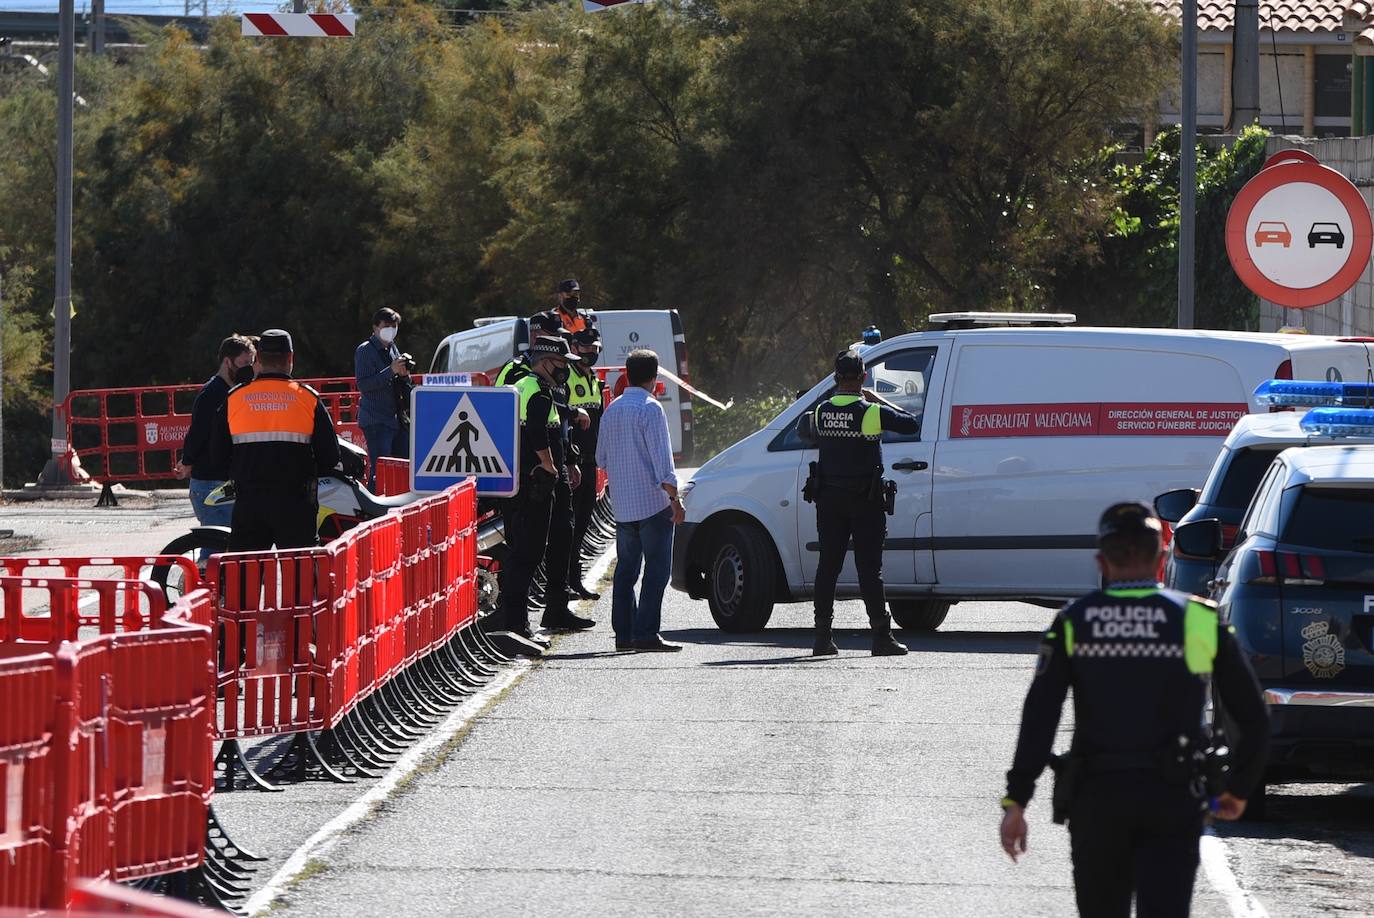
(383, 442)
(648, 541)
(221, 515)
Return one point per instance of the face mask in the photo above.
(243, 375)
(571, 303)
(560, 375)
(387, 335)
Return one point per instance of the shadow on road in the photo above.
(1344, 820)
(851, 640)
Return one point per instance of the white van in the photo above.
(1027, 435)
(489, 345)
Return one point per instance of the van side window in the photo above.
(440, 364)
(788, 438)
(903, 379)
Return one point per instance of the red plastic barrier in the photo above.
(59, 607)
(127, 567)
(268, 607)
(99, 897)
(393, 476)
(105, 748)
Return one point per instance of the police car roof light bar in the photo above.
(1305, 393)
(1339, 422)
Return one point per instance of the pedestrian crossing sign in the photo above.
(461, 432)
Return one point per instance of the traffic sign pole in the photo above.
(1187, 181)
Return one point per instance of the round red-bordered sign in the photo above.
(1299, 234)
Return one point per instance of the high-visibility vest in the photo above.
(528, 386)
(271, 410)
(512, 371)
(584, 388)
(573, 322)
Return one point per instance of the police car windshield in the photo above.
(1339, 519)
(1243, 477)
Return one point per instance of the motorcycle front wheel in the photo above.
(169, 576)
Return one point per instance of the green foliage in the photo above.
(784, 172)
(1131, 276)
(714, 429)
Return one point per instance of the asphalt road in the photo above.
(736, 777)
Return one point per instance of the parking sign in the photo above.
(461, 432)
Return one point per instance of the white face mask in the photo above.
(387, 335)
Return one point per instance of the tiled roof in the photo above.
(1294, 16)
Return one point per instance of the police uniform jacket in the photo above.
(513, 371)
(1139, 659)
(276, 434)
(541, 425)
(848, 431)
(585, 392)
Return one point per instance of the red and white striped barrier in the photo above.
(300, 25)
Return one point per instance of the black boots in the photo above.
(884, 644)
(825, 640)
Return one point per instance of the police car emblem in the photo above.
(1323, 654)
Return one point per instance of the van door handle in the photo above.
(911, 465)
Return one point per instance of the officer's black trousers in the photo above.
(527, 534)
(583, 503)
(840, 515)
(560, 548)
(285, 518)
(1132, 833)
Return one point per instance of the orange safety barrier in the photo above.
(105, 746)
(393, 476)
(127, 567)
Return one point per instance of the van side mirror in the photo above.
(1200, 539)
(806, 428)
(1172, 506)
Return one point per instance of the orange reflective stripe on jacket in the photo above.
(575, 322)
(272, 411)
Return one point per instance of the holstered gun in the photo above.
(883, 491)
(1068, 769)
(542, 482)
(812, 488)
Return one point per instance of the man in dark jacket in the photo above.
(382, 378)
(236, 355)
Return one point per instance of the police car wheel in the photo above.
(742, 580)
(918, 614)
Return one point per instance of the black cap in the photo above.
(550, 346)
(588, 337)
(274, 341)
(849, 363)
(1130, 516)
(569, 286)
(545, 323)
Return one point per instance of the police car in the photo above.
(1243, 460)
(1028, 430)
(1299, 589)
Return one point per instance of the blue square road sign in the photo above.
(460, 432)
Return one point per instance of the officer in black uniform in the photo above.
(541, 324)
(277, 439)
(850, 496)
(1139, 778)
(584, 392)
(543, 474)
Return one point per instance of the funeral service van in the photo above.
(1028, 432)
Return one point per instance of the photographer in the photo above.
(383, 377)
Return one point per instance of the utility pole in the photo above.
(1245, 109)
(2, 386)
(53, 473)
(98, 26)
(1187, 182)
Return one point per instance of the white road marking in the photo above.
(332, 832)
(1240, 903)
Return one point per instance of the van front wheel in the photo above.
(742, 580)
(918, 614)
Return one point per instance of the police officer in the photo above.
(1136, 783)
(541, 323)
(567, 311)
(544, 487)
(584, 392)
(277, 439)
(848, 490)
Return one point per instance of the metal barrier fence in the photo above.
(105, 741)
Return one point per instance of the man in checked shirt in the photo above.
(635, 450)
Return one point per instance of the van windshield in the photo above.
(1340, 519)
(1243, 477)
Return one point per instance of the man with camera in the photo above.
(1143, 769)
(545, 489)
(382, 374)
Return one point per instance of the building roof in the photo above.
(1296, 17)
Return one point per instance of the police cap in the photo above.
(588, 337)
(569, 286)
(274, 341)
(551, 346)
(545, 323)
(1130, 517)
(849, 363)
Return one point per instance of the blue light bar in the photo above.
(1298, 393)
(1305, 393)
(1339, 422)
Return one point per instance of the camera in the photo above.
(410, 362)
